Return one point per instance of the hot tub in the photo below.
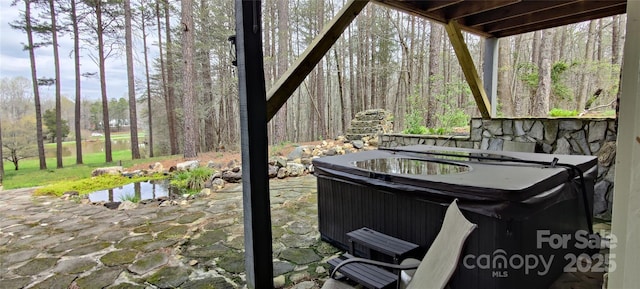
(522, 203)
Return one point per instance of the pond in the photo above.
(152, 189)
(91, 146)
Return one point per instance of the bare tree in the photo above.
(188, 98)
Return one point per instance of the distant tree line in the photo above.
(187, 97)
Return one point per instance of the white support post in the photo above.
(626, 196)
(490, 72)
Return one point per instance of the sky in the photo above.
(14, 61)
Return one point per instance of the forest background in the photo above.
(385, 59)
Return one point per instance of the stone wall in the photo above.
(596, 137)
(369, 124)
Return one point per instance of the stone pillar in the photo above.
(626, 199)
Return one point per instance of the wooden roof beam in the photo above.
(577, 18)
(439, 4)
(513, 11)
(468, 8)
(435, 14)
(468, 68)
(588, 8)
(291, 79)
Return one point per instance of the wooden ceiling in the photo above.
(500, 18)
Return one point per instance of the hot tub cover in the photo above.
(500, 186)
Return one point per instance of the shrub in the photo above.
(191, 182)
(420, 129)
(414, 120)
(130, 198)
(558, 112)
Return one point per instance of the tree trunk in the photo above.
(163, 66)
(103, 86)
(204, 58)
(148, 83)
(133, 114)
(535, 48)
(588, 53)
(600, 51)
(563, 42)
(341, 96)
(435, 72)
(56, 67)
(320, 89)
(540, 103)
(188, 91)
(36, 89)
(504, 81)
(170, 97)
(282, 65)
(76, 60)
(518, 102)
(210, 113)
(615, 40)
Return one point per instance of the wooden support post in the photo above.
(624, 263)
(490, 72)
(253, 130)
(468, 68)
(291, 79)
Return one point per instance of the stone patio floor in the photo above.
(48, 242)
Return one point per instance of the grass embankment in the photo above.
(89, 185)
(30, 175)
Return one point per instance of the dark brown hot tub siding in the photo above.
(416, 215)
(345, 206)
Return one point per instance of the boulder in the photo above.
(295, 169)
(188, 165)
(282, 173)
(127, 205)
(217, 184)
(273, 171)
(116, 170)
(231, 176)
(296, 153)
(358, 144)
(156, 168)
(278, 162)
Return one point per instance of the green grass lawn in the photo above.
(29, 174)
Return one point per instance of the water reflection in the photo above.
(141, 190)
(410, 166)
(93, 146)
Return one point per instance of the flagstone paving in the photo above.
(48, 242)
